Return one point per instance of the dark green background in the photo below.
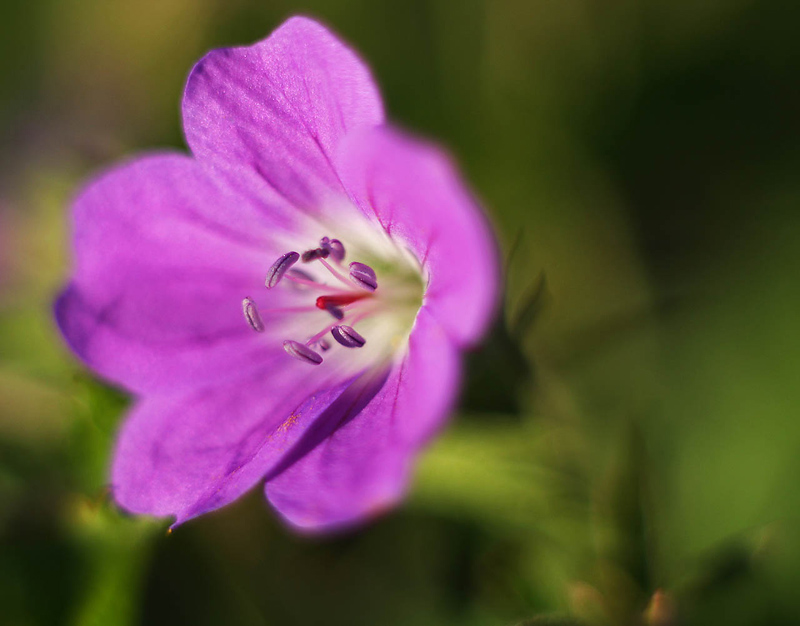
(630, 425)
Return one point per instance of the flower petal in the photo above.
(165, 252)
(280, 107)
(416, 195)
(189, 454)
(363, 467)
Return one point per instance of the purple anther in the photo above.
(310, 255)
(324, 345)
(334, 247)
(363, 275)
(299, 275)
(252, 315)
(296, 272)
(302, 352)
(337, 249)
(323, 252)
(279, 268)
(347, 336)
(335, 311)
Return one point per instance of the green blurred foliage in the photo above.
(626, 448)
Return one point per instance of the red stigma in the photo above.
(323, 302)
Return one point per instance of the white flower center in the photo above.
(352, 301)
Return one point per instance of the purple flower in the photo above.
(289, 305)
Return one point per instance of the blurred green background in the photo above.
(626, 449)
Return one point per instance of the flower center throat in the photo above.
(349, 295)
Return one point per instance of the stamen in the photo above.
(348, 336)
(279, 268)
(334, 247)
(316, 253)
(363, 275)
(318, 337)
(310, 255)
(252, 316)
(324, 345)
(300, 278)
(337, 250)
(301, 352)
(336, 274)
(335, 311)
(296, 272)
